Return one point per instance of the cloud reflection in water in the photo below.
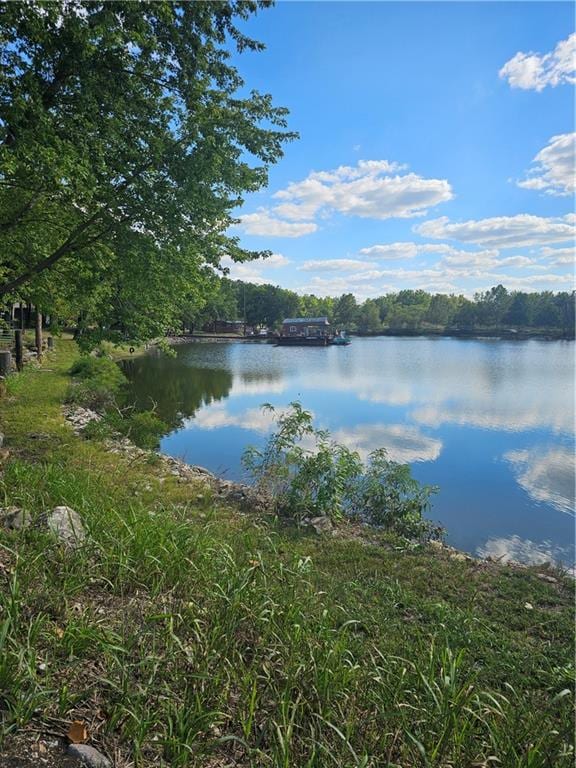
(515, 549)
(546, 476)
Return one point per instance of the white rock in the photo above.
(67, 526)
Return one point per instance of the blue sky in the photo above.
(436, 147)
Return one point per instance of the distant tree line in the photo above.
(407, 310)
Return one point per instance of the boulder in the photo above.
(547, 577)
(89, 756)
(14, 518)
(321, 524)
(66, 525)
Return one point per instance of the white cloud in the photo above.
(553, 172)
(559, 256)
(262, 223)
(502, 231)
(452, 257)
(531, 283)
(254, 271)
(403, 443)
(334, 265)
(392, 251)
(439, 278)
(535, 71)
(361, 285)
(371, 189)
(546, 476)
(513, 549)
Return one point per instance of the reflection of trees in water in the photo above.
(265, 377)
(176, 390)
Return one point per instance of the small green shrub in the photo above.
(387, 495)
(90, 394)
(97, 381)
(306, 473)
(98, 430)
(143, 428)
(99, 370)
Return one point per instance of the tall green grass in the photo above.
(196, 642)
(187, 635)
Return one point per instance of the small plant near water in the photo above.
(98, 384)
(143, 428)
(308, 474)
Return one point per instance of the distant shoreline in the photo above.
(483, 333)
(502, 334)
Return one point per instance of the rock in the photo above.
(14, 518)
(89, 756)
(38, 436)
(67, 526)
(546, 577)
(529, 606)
(321, 524)
(197, 469)
(460, 556)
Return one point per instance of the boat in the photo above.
(309, 332)
(340, 340)
(305, 332)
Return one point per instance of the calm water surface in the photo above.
(490, 422)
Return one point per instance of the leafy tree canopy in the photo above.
(127, 138)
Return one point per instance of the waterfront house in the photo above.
(306, 327)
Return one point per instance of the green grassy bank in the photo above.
(184, 633)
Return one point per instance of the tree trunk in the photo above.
(19, 348)
(38, 334)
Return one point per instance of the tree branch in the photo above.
(67, 246)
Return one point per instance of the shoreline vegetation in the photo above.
(507, 334)
(493, 313)
(187, 628)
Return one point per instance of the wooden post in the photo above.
(5, 362)
(38, 334)
(50, 341)
(19, 348)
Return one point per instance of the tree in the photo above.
(466, 314)
(122, 131)
(369, 316)
(441, 309)
(410, 298)
(313, 306)
(346, 310)
(492, 305)
(565, 307)
(406, 316)
(519, 311)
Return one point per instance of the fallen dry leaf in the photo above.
(78, 733)
(59, 632)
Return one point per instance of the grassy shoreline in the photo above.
(188, 633)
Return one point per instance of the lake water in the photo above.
(490, 422)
